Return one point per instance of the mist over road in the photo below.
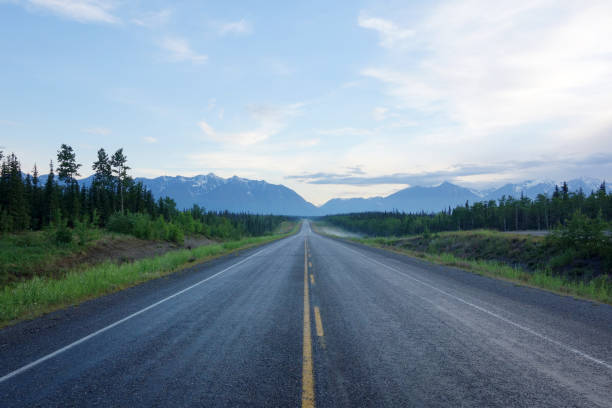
(314, 321)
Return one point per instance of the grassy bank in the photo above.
(39, 295)
(525, 260)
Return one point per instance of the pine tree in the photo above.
(67, 169)
(102, 168)
(120, 168)
(51, 199)
(16, 200)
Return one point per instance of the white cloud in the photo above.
(490, 67)
(390, 34)
(98, 131)
(269, 121)
(153, 19)
(308, 143)
(241, 27)
(179, 50)
(207, 129)
(149, 139)
(346, 131)
(380, 113)
(84, 11)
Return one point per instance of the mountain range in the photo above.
(238, 194)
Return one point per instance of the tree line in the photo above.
(112, 200)
(506, 214)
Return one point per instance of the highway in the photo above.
(313, 321)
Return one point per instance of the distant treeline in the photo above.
(113, 200)
(505, 214)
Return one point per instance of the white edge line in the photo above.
(490, 313)
(118, 322)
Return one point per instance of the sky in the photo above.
(332, 99)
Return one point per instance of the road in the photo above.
(312, 321)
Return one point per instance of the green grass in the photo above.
(598, 289)
(30, 253)
(41, 295)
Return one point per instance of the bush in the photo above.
(175, 234)
(63, 235)
(121, 223)
(583, 234)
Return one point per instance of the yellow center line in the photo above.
(318, 322)
(311, 279)
(308, 397)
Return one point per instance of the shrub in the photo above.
(63, 235)
(121, 223)
(583, 234)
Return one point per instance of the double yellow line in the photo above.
(308, 397)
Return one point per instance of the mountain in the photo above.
(411, 199)
(233, 194)
(257, 196)
(532, 188)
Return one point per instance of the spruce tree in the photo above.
(68, 168)
(120, 168)
(102, 168)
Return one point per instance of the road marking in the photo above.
(493, 314)
(311, 279)
(118, 322)
(308, 397)
(318, 322)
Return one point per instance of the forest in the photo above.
(506, 214)
(57, 202)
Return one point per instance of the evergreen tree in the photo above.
(102, 168)
(120, 168)
(67, 169)
(51, 200)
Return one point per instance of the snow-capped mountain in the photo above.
(233, 194)
(257, 196)
(532, 188)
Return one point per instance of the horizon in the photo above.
(482, 192)
(474, 93)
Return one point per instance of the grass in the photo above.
(37, 253)
(598, 289)
(40, 295)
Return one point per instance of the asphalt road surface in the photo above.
(312, 321)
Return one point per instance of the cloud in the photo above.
(149, 139)
(207, 129)
(269, 121)
(390, 34)
(345, 131)
(489, 66)
(380, 113)
(153, 19)
(308, 143)
(241, 27)
(84, 11)
(179, 50)
(458, 171)
(98, 131)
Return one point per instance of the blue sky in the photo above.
(333, 99)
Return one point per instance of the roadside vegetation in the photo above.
(574, 258)
(33, 297)
(505, 214)
(62, 242)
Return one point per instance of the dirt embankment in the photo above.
(123, 249)
(522, 250)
